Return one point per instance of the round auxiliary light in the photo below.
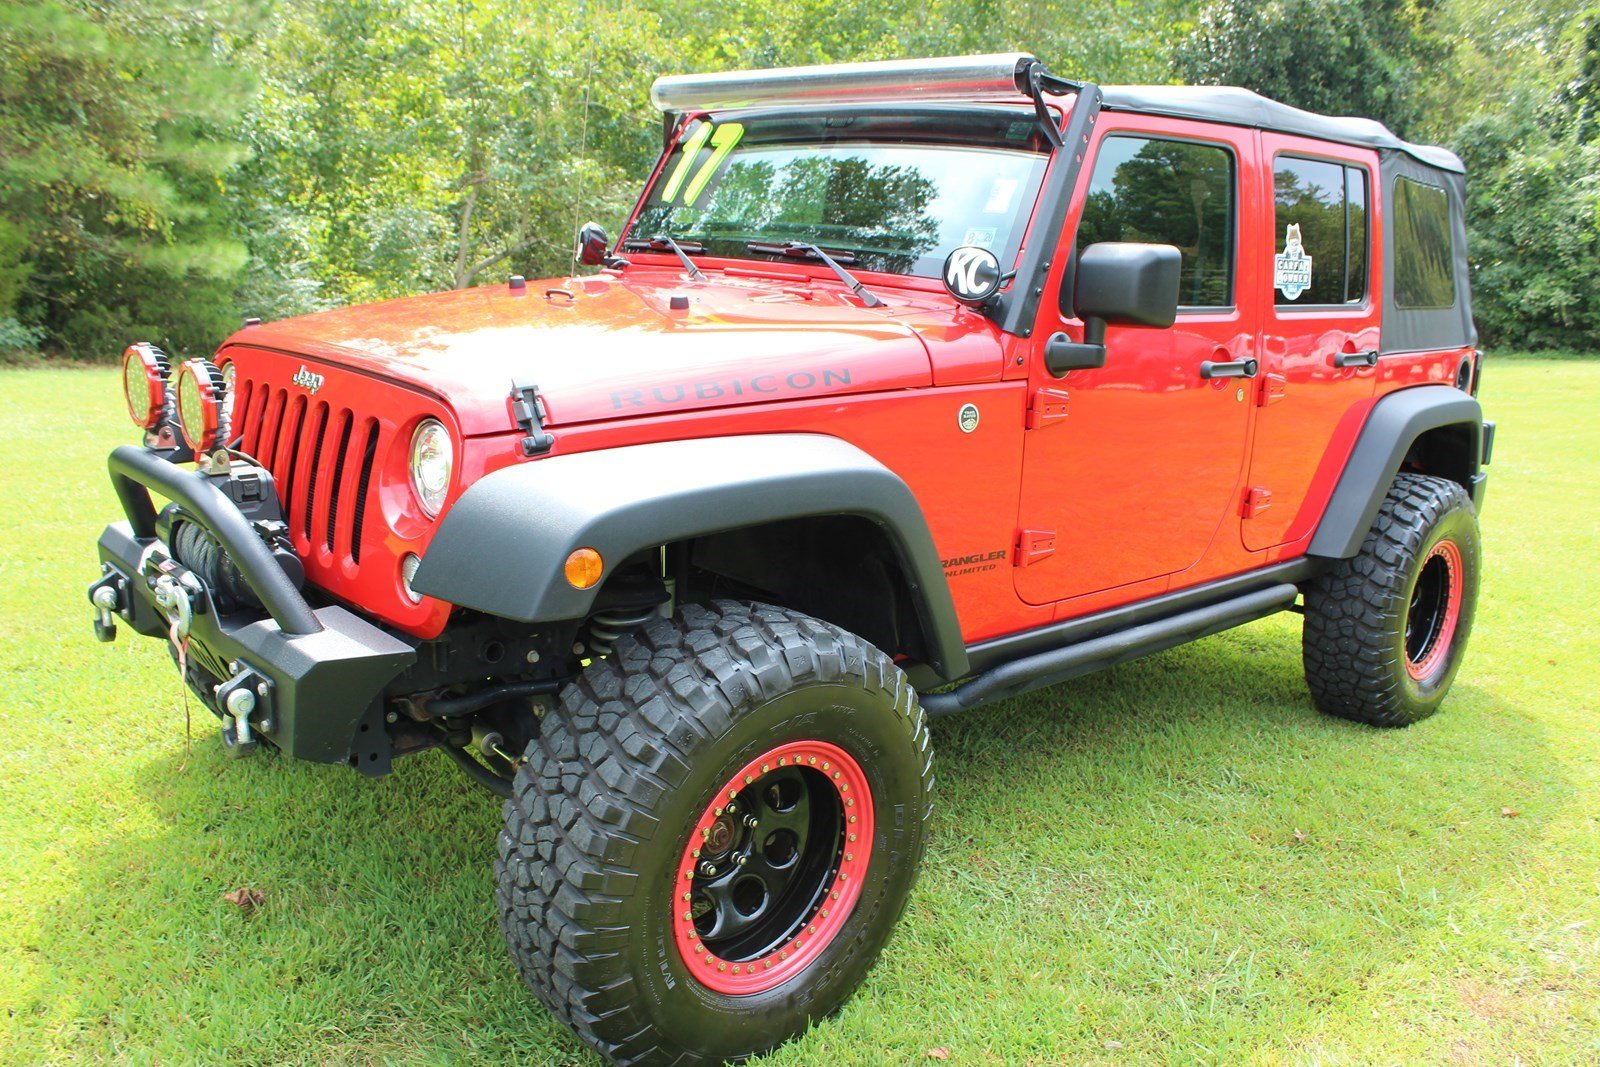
(432, 458)
(144, 383)
(201, 416)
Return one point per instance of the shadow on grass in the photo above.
(1176, 851)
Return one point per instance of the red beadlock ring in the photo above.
(797, 951)
(1433, 654)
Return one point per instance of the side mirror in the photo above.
(593, 245)
(1119, 283)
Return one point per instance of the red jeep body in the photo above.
(1162, 379)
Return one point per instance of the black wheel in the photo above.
(714, 834)
(1385, 630)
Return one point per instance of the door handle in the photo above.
(1367, 358)
(1231, 368)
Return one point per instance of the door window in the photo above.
(1167, 192)
(1321, 227)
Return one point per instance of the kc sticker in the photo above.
(1291, 268)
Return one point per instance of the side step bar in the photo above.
(1059, 664)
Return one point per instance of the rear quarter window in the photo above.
(1424, 252)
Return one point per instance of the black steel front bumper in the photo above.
(315, 675)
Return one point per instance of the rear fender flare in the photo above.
(501, 546)
(1396, 422)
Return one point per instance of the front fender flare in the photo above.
(1394, 425)
(501, 546)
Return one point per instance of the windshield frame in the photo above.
(919, 124)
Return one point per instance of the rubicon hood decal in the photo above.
(620, 348)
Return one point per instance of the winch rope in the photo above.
(181, 643)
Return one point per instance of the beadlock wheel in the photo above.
(714, 834)
(773, 867)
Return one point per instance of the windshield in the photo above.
(883, 190)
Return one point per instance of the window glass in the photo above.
(882, 192)
(1321, 251)
(1424, 259)
(1168, 192)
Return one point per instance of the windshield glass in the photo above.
(891, 191)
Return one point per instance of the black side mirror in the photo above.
(593, 245)
(1119, 283)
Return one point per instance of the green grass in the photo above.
(1115, 874)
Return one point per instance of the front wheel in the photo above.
(714, 834)
(1385, 631)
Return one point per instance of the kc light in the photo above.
(144, 383)
(432, 457)
(200, 394)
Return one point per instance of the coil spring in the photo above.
(605, 627)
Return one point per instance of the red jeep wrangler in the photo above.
(908, 387)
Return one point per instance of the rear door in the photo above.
(1132, 469)
(1320, 333)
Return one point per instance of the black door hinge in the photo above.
(527, 407)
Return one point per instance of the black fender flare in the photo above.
(1393, 426)
(501, 546)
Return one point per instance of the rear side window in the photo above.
(1321, 227)
(1424, 256)
(1168, 192)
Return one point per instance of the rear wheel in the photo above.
(714, 834)
(1385, 630)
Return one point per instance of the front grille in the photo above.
(321, 457)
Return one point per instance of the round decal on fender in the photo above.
(968, 418)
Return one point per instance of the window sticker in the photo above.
(723, 139)
(1291, 268)
(1000, 195)
(982, 236)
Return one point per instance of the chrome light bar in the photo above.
(953, 77)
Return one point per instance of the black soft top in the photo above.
(1241, 107)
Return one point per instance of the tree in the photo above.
(115, 140)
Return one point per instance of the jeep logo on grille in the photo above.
(306, 380)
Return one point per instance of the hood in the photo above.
(607, 347)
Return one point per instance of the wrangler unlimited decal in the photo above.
(973, 563)
(799, 381)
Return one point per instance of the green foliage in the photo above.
(114, 148)
(1337, 57)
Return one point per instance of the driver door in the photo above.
(1131, 469)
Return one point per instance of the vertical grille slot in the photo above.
(241, 408)
(316, 465)
(338, 478)
(289, 454)
(358, 523)
(272, 425)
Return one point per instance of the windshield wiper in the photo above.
(663, 243)
(802, 249)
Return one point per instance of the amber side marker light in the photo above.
(583, 568)
(144, 384)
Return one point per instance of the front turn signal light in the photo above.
(583, 568)
(144, 384)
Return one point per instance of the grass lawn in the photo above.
(1175, 861)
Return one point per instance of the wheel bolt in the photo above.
(708, 869)
(741, 860)
(750, 822)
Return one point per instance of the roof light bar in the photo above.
(950, 78)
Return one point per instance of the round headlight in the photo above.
(432, 456)
(144, 384)
(200, 414)
(230, 375)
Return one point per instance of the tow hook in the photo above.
(247, 693)
(107, 597)
(173, 599)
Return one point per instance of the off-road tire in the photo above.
(602, 811)
(1354, 642)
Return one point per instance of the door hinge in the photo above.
(1033, 546)
(1257, 499)
(527, 408)
(1273, 386)
(1046, 407)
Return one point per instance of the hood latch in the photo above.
(527, 407)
